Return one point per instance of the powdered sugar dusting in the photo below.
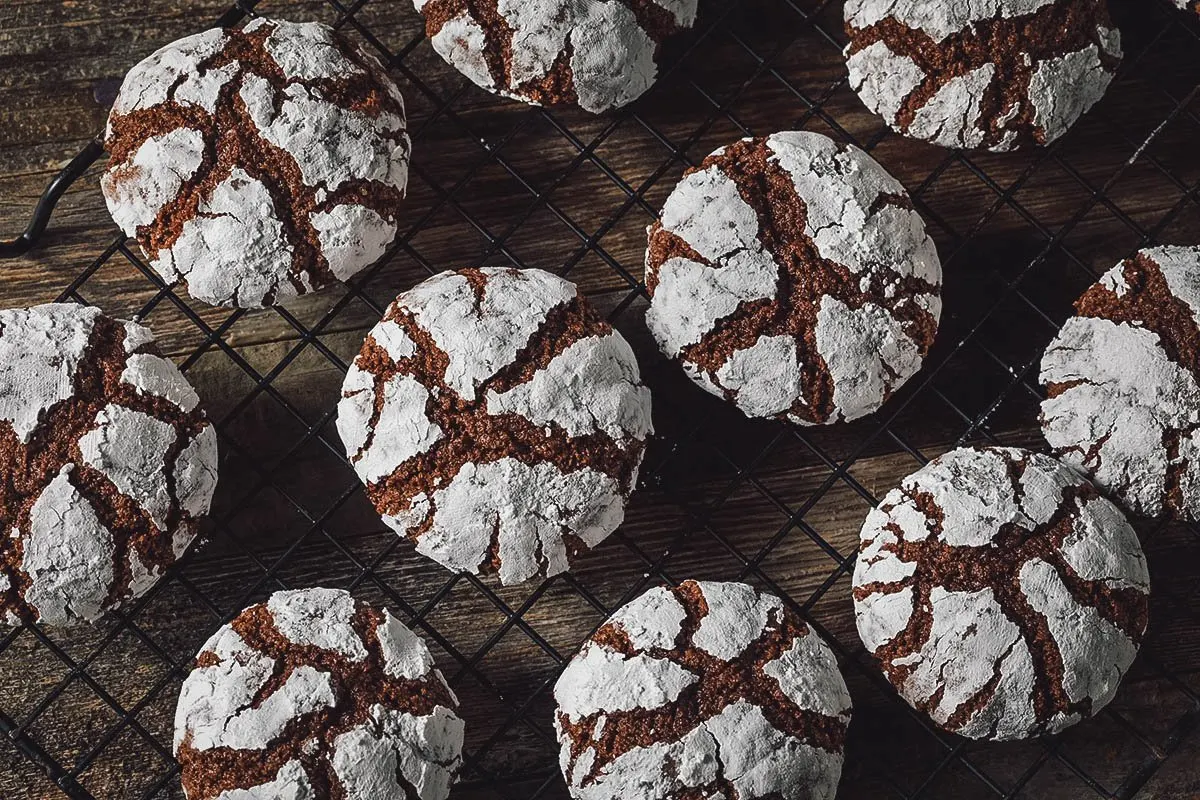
(318, 617)
(68, 555)
(652, 620)
(607, 34)
(291, 783)
(40, 349)
(368, 759)
(1063, 89)
(601, 681)
(304, 51)
(137, 189)
(149, 83)
(939, 20)
(737, 615)
(951, 117)
(954, 643)
(508, 499)
(352, 236)
(461, 41)
(883, 79)
(404, 654)
(127, 447)
(151, 374)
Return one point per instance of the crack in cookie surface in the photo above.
(707, 687)
(314, 694)
(990, 74)
(1000, 593)
(1122, 381)
(107, 463)
(791, 276)
(258, 164)
(497, 421)
(599, 55)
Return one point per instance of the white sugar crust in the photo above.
(601, 681)
(40, 350)
(127, 447)
(653, 620)
(405, 655)
(68, 555)
(867, 350)
(291, 782)
(158, 376)
(737, 743)
(972, 639)
(403, 429)
(883, 79)
(304, 51)
(196, 474)
(151, 177)
(481, 338)
(318, 618)
(424, 750)
(939, 20)
(211, 696)
(737, 615)
(1095, 653)
(605, 35)
(593, 385)
(149, 83)
(951, 117)
(462, 43)
(528, 508)
(254, 727)
(234, 252)
(1062, 89)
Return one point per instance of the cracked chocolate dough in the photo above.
(706, 690)
(791, 276)
(313, 695)
(597, 54)
(1122, 381)
(107, 463)
(258, 164)
(981, 74)
(497, 421)
(1000, 593)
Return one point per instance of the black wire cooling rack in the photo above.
(495, 182)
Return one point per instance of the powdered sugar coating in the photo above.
(1038, 633)
(597, 55)
(94, 422)
(473, 413)
(990, 74)
(861, 279)
(1124, 385)
(630, 723)
(279, 183)
(343, 718)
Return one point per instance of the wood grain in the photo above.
(720, 490)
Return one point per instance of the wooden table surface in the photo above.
(1021, 235)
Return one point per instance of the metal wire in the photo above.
(707, 462)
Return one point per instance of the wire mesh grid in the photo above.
(722, 497)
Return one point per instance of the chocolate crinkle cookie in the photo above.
(497, 421)
(791, 276)
(258, 164)
(707, 690)
(1122, 381)
(313, 695)
(597, 54)
(981, 74)
(107, 463)
(1000, 593)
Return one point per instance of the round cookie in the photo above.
(1000, 593)
(108, 463)
(707, 690)
(981, 74)
(258, 164)
(1122, 381)
(597, 54)
(315, 696)
(497, 421)
(791, 276)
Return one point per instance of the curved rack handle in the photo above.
(11, 248)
